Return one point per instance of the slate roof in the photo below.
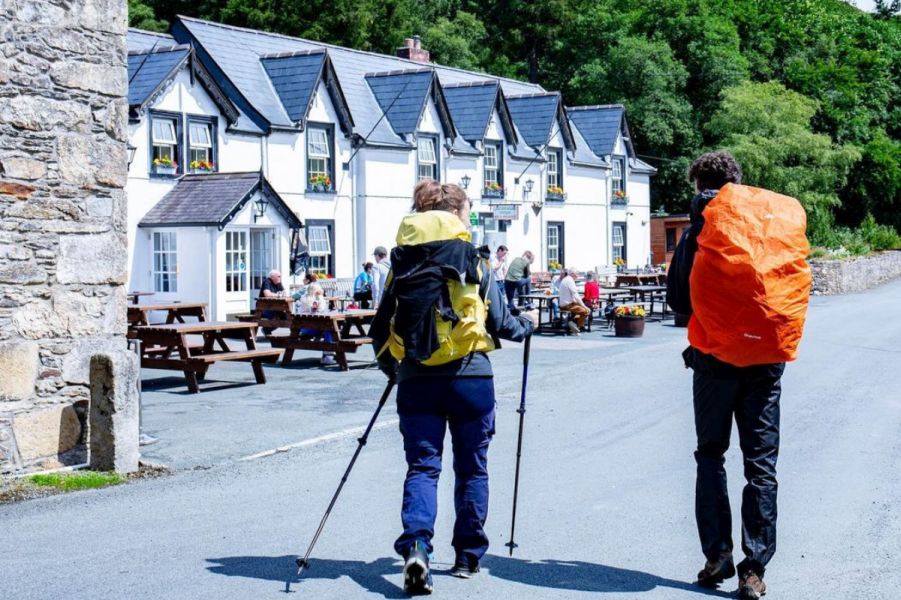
(141, 40)
(402, 96)
(294, 77)
(213, 199)
(148, 71)
(471, 106)
(599, 125)
(236, 52)
(534, 116)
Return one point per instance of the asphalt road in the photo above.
(606, 492)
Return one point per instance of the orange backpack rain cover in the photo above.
(750, 282)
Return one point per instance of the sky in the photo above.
(866, 5)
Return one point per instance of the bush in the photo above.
(879, 237)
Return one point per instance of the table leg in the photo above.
(258, 371)
(287, 356)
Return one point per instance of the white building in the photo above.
(340, 137)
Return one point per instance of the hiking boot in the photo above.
(751, 586)
(417, 577)
(465, 567)
(328, 360)
(715, 572)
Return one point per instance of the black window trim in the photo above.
(561, 241)
(179, 142)
(213, 122)
(499, 145)
(330, 133)
(330, 224)
(436, 140)
(625, 179)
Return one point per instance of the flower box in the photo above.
(630, 327)
(161, 170)
(619, 199)
(556, 196)
(492, 193)
(320, 188)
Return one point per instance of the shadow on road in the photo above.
(560, 575)
(283, 569)
(584, 577)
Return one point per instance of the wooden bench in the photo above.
(308, 332)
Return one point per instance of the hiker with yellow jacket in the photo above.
(440, 315)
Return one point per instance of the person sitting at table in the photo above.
(271, 288)
(555, 290)
(592, 294)
(312, 300)
(572, 302)
(363, 286)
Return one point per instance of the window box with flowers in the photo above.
(165, 166)
(620, 198)
(620, 265)
(493, 190)
(321, 184)
(202, 166)
(629, 321)
(555, 194)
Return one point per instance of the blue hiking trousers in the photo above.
(426, 406)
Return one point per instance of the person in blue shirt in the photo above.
(363, 286)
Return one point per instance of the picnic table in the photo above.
(175, 311)
(544, 303)
(634, 279)
(649, 290)
(134, 296)
(307, 331)
(340, 301)
(168, 347)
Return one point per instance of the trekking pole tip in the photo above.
(511, 544)
(301, 565)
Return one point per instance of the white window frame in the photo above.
(168, 146)
(491, 168)
(320, 248)
(319, 153)
(237, 273)
(618, 176)
(553, 246)
(427, 158)
(164, 261)
(200, 146)
(553, 169)
(619, 245)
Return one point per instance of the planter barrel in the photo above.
(628, 326)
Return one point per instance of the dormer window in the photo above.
(320, 162)
(619, 170)
(555, 175)
(493, 171)
(164, 141)
(201, 145)
(427, 157)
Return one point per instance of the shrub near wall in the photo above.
(855, 274)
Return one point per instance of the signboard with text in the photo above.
(506, 212)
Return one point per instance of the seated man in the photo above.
(571, 301)
(271, 288)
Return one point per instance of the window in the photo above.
(164, 133)
(493, 170)
(320, 162)
(670, 239)
(427, 158)
(554, 172)
(555, 236)
(320, 240)
(235, 261)
(200, 144)
(619, 168)
(262, 256)
(619, 241)
(165, 262)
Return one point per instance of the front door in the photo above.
(262, 258)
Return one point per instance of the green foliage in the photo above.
(76, 480)
(143, 16)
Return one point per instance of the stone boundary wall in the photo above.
(63, 163)
(855, 274)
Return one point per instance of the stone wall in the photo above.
(855, 274)
(63, 163)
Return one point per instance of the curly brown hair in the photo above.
(713, 170)
(432, 195)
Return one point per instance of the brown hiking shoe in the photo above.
(751, 586)
(715, 572)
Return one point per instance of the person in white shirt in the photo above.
(380, 274)
(499, 265)
(571, 300)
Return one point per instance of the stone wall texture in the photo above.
(855, 274)
(63, 163)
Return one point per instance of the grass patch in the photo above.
(76, 480)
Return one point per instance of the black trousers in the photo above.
(750, 396)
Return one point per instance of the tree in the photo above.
(142, 16)
(767, 128)
(874, 185)
(887, 10)
(458, 42)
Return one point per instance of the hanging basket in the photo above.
(631, 327)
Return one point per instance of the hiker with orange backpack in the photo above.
(740, 271)
(441, 313)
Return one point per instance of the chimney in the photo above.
(412, 50)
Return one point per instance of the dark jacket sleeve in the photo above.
(678, 292)
(500, 322)
(380, 328)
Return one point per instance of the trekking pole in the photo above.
(522, 413)
(304, 563)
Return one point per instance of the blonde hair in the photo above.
(431, 195)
